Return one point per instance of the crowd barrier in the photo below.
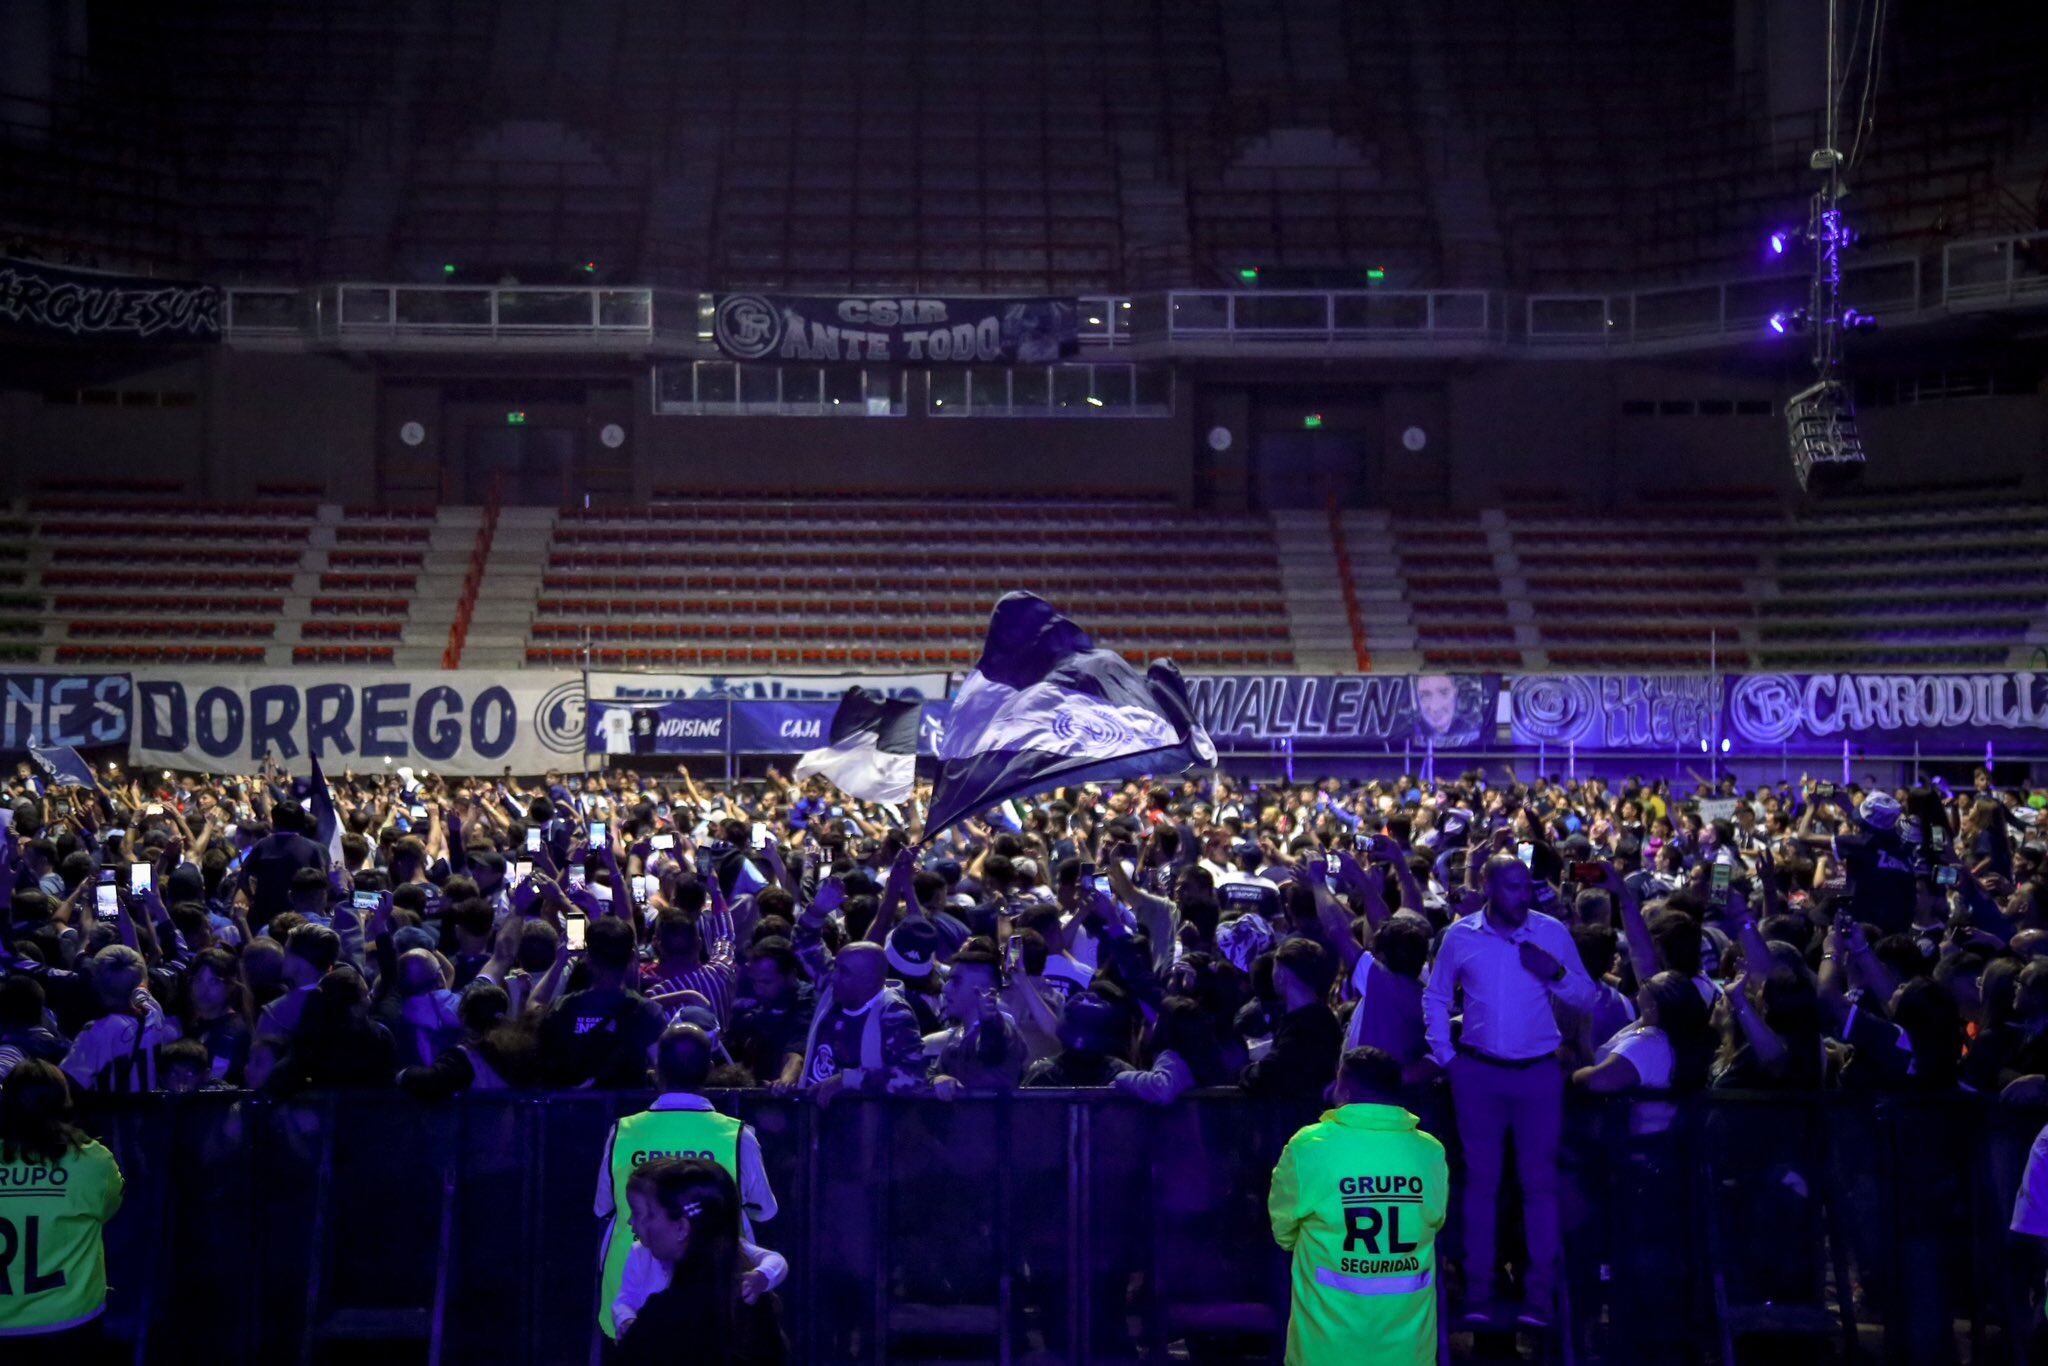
(1046, 1225)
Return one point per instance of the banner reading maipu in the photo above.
(52, 303)
(921, 330)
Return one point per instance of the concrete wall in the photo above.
(1495, 431)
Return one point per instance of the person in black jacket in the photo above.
(1307, 1039)
(602, 1035)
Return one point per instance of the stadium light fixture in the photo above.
(1094, 402)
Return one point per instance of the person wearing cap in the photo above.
(1093, 1034)
(1509, 960)
(1357, 1200)
(680, 1123)
(913, 950)
(1879, 867)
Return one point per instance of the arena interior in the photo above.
(1610, 439)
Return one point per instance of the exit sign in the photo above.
(516, 419)
(1312, 421)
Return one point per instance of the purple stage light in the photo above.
(1778, 323)
(1778, 243)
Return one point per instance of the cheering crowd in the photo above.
(1501, 941)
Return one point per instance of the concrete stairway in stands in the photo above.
(511, 586)
(1382, 600)
(1316, 618)
(440, 588)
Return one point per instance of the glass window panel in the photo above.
(948, 390)
(1030, 388)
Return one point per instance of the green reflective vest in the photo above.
(1358, 1198)
(656, 1133)
(53, 1266)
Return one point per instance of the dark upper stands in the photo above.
(1037, 146)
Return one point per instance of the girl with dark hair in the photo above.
(1669, 1048)
(693, 1289)
(1181, 1051)
(217, 1012)
(64, 1187)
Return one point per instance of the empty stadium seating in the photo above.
(169, 580)
(1924, 578)
(1934, 578)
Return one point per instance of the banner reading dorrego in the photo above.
(458, 721)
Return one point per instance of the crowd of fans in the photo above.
(188, 933)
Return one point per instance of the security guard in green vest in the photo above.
(61, 1189)
(1358, 1198)
(680, 1123)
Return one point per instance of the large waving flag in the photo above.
(326, 820)
(1044, 708)
(871, 749)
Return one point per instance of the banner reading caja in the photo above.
(458, 722)
(924, 329)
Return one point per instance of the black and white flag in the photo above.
(872, 748)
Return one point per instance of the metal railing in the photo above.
(1072, 1225)
(1704, 311)
(1997, 270)
(365, 312)
(1250, 317)
(2004, 271)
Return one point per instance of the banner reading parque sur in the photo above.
(42, 302)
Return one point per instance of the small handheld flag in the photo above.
(63, 765)
(1044, 708)
(326, 820)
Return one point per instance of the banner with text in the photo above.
(42, 302)
(62, 709)
(1335, 711)
(617, 686)
(925, 329)
(1966, 710)
(460, 722)
(1614, 711)
(712, 725)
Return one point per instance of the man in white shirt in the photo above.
(1509, 960)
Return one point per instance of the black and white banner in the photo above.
(54, 303)
(922, 330)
